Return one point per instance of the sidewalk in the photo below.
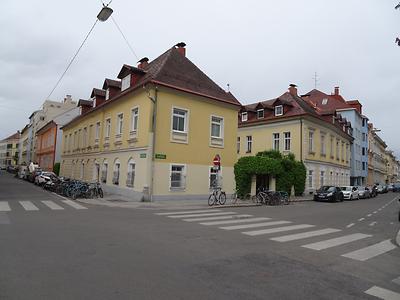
(122, 202)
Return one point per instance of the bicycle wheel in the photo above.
(222, 198)
(234, 198)
(100, 191)
(211, 200)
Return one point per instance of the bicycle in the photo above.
(217, 197)
(236, 198)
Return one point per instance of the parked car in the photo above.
(34, 174)
(350, 192)
(11, 169)
(390, 187)
(44, 177)
(3, 168)
(328, 193)
(382, 189)
(396, 187)
(364, 192)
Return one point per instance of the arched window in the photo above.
(96, 171)
(82, 169)
(73, 169)
(130, 180)
(104, 172)
(117, 168)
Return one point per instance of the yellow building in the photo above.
(155, 132)
(292, 124)
(377, 163)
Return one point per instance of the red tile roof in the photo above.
(14, 136)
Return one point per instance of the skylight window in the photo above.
(325, 101)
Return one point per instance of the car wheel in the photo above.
(351, 197)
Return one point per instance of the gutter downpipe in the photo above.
(153, 148)
(301, 139)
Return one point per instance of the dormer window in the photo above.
(260, 114)
(107, 94)
(126, 82)
(278, 110)
(325, 101)
(244, 116)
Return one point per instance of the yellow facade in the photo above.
(194, 150)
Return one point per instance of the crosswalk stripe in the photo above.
(336, 241)
(4, 206)
(396, 280)
(217, 218)
(235, 221)
(73, 204)
(264, 224)
(382, 293)
(278, 229)
(52, 205)
(304, 235)
(185, 212)
(28, 205)
(203, 215)
(371, 251)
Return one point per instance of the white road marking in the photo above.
(362, 219)
(4, 206)
(371, 251)
(336, 241)
(264, 224)
(235, 221)
(380, 209)
(202, 215)
(278, 229)
(216, 218)
(391, 223)
(350, 225)
(369, 215)
(28, 205)
(304, 235)
(62, 197)
(375, 212)
(73, 204)
(396, 280)
(186, 212)
(382, 293)
(373, 223)
(52, 205)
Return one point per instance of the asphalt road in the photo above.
(52, 249)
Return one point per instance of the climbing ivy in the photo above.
(285, 168)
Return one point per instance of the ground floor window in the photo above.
(130, 180)
(117, 167)
(104, 172)
(310, 178)
(177, 177)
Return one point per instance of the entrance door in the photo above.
(262, 182)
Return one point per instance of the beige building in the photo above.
(392, 170)
(291, 124)
(377, 163)
(9, 150)
(23, 145)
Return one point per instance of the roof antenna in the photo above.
(229, 87)
(315, 80)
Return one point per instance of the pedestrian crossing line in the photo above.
(4, 206)
(337, 241)
(249, 220)
(371, 251)
(278, 229)
(382, 293)
(396, 280)
(186, 212)
(255, 225)
(350, 225)
(203, 215)
(304, 235)
(52, 205)
(28, 205)
(216, 218)
(73, 204)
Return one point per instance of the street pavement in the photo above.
(52, 248)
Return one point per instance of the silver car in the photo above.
(350, 192)
(364, 192)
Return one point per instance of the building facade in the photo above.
(9, 150)
(154, 133)
(392, 169)
(377, 166)
(291, 124)
(351, 111)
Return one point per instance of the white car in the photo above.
(44, 177)
(350, 192)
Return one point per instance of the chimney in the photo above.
(336, 93)
(293, 89)
(181, 48)
(143, 63)
(68, 99)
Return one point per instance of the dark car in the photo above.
(328, 193)
(396, 187)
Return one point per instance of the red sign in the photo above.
(217, 160)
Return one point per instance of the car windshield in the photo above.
(327, 189)
(346, 188)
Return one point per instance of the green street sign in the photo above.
(160, 156)
(143, 155)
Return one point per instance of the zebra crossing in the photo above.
(31, 206)
(284, 231)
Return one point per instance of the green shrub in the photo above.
(56, 169)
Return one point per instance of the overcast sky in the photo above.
(258, 47)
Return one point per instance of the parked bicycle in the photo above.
(217, 197)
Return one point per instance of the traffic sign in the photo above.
(217, 160)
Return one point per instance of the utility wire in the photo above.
(73, 58)
(124, 37)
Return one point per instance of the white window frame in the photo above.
(183, 177)
(276, 141)
(97, 133)
(104, 169)
(134, 119)
(117, 168)
(278, 110)
(323, 146)
(131, 173)
(258, 113)
(120, 123)
(287, 141)
(310, 179)
(311, 141)
(244, 116)
(220, 124)
(322, 178)
(185, 121)
(249, 143)
(126, 82)
(107, 94)
(84, 137)
(107, 128)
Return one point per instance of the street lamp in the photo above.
(104, 13)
